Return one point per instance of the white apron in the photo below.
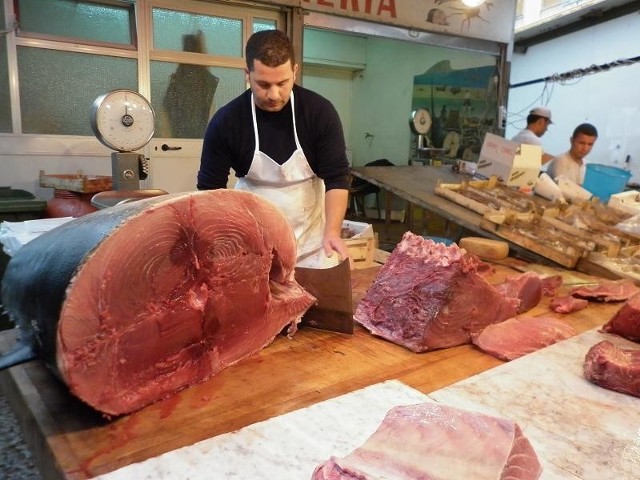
(297, 191)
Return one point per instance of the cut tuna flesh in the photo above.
(519, 336)
(429, 296)
(429, 441)
(613, 368)
(136, 302)
(607, 291)
(526, 287)
(568, 304)
(551, 284)
(626, 321)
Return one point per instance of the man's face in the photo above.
(581, 145)
(541, 126)
(271, 86)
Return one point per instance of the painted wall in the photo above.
(377, 118)
(609, 99)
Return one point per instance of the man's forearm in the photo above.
(335, 209)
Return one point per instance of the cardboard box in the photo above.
(515, 164)
(361, 244)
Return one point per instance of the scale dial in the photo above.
(123, 120)
(420, 121)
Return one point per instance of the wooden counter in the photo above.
(416, 184)
(69, 440)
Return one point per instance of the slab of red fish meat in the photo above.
(433, 441)
(626, 321)
(526, 287)
(613, 367)
(607, 291)
(551, 284)
(568, 304)
(136, 302)
(429, 295)
(521, 335)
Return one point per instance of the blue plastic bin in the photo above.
(604, 180)
(446, 241)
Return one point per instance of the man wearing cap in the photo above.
(571, 164)
(538, 121)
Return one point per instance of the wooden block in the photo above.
(485, 248)
(77, 182)
(565, 255)
(609, 245)
(454, 196)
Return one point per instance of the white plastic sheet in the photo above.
(14, 235)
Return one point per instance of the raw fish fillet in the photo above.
(432, 441)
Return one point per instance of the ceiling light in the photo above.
(473, 3)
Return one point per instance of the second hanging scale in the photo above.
(420, 123)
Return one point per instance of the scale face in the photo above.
(123, 120)
(420, 121)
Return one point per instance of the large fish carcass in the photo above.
(135, 302)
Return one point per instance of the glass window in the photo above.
(5, 98)
(87, 22)
(185, 96)
(58, 88)
(173, 30)
(260, 24)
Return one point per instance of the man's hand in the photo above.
(335, 244)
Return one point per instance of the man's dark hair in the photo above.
(585, 129)
(271, 47)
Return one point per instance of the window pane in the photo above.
(260, 24)
(5, 99)
(76, 19)
(197, 33)
(185, 96)
(58, 88)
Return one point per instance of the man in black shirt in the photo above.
(285, 143)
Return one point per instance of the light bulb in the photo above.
(473, 3)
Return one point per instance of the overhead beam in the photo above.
(590, 18)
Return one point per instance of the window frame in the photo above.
(133, 33)
(141, 49)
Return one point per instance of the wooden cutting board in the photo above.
(578, 430)
(70, 441)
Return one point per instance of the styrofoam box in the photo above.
(627, 202)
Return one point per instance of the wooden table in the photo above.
(69, 440)
(416, 184)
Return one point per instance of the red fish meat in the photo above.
(429, 441)
(626, 321)
(429, 296)
(521, 335)
(136, 302)
(613, 368)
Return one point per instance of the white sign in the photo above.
(493, 20)
(513, 163)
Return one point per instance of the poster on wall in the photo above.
(491, 20)
(462, 104)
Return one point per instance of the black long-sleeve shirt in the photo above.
(229, 139)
